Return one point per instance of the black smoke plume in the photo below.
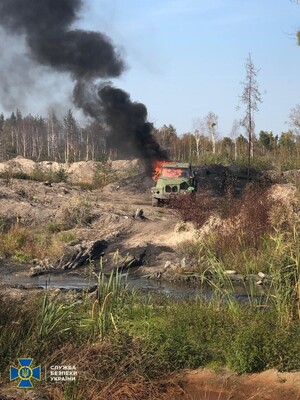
(126, 120)
(88, 57)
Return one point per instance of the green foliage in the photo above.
(16, 242)
(60, 175)
(23, 244)
(17, 328)
(287, 140)
(66, 141)
(285, 269)
(166, 136)
(53, 227)
(41, 175)
(120, 334)
(7, 175)
(66, 236)
(104, 174)
(267, 140)
(21, 256)
(108, 306)
(54, 318)
(286, 350)
(250, 348)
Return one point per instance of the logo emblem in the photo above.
(25, 373)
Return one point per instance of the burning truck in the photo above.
(171, 178)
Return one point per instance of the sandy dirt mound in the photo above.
(285, 212)
(18, 164)
(82, 171)
(268, 385)
(126, 165)
(29, 203)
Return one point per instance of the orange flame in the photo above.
(167, 172)
(172, 172)
(156, 166)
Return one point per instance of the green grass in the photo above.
(23, 244)
(118, 336)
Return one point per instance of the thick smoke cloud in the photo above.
(29, 86)
(88, 57)
(47, 26)
(126, 120)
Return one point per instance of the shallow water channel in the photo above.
(17, 275)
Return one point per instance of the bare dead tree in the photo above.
(294, 118)
(250, 96)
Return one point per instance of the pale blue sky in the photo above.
(186, 57)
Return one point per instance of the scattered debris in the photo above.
(74, 257)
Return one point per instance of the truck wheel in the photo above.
(155, 202)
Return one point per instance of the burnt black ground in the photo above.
(215, 179)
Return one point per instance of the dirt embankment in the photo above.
(225, 385)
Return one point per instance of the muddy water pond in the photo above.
(17, 275)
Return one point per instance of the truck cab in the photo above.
(172, 178)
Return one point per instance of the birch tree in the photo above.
(199, 132)
(212, 123)
(234, 135)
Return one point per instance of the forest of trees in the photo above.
(65, 140)
(269, 150)
(50, 138)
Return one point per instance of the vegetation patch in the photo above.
(245, 234)
(124, 343)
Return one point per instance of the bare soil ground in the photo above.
(205, 384)
(103, 214)
(110, 213)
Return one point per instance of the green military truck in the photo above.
(172, 178)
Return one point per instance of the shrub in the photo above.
(252, 346)
(21, 175)
(54, 227)
(195, 208)
(254, 209)
(60, 175)
(39, 174)
(104, 174)
(66, 237)
(237, 239)
(286, 355)
(76, 213)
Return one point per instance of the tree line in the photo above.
(198, 147)
(66, 140)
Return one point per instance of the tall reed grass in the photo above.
(107, 307)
